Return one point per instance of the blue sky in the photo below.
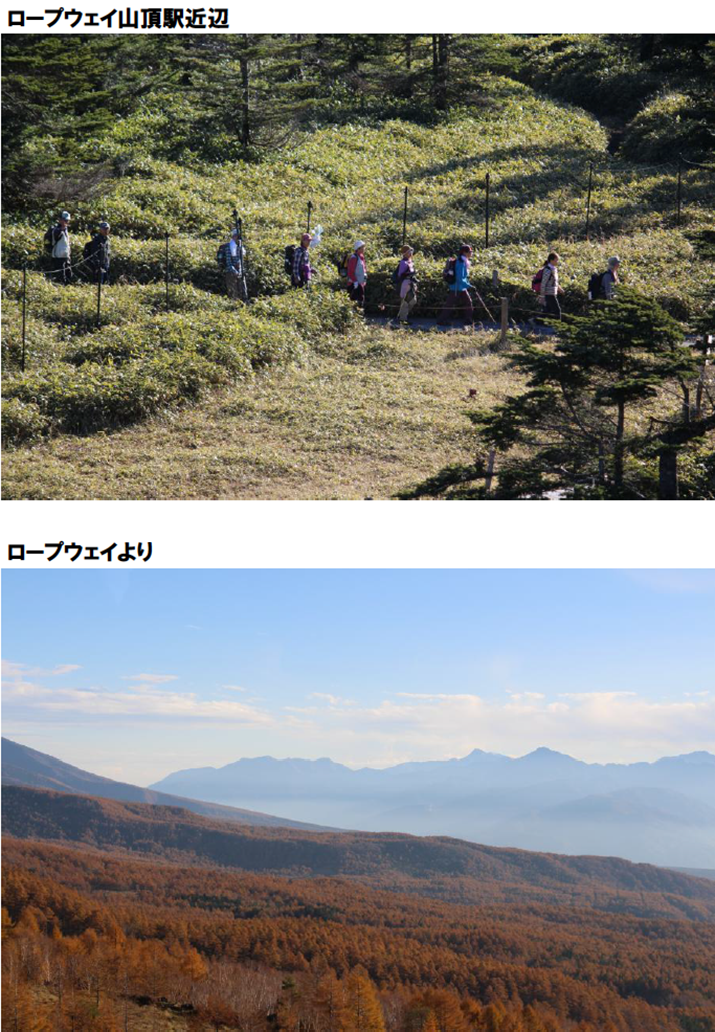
(135, 674)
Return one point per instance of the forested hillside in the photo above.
(444, 868)
(88, 937)
(165, 138)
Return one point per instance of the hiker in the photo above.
(357, 274)
(235, 275)
(610, 280)
(57, 243)
(406, 283)
(549, 289)
(302, 271)
(96, 252)
(457, 275)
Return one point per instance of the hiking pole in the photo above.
(166, 272)
(479, 296)
(99, 294)
(588, 199)
(404, 221)
(239, 244)
(24, 309)
(486, 224)
(310, 209)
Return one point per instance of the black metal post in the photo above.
(680, 187)
(24, 309)
(99, 295)
(588, 200)
(404, 221)
(166, 272)
(486, 223)
(310, 209)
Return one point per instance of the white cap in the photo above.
(358, 244)
(65, 215)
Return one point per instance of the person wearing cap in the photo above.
(234, 271)
(406, 284)
(302, 271)
(610, 280)
(57, 243)
(459, 290)
(357, 274)
(97, 253)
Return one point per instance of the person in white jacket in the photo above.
(57, 242)
(549, 290)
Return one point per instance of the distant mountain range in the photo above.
(661, 812)
(22, 766)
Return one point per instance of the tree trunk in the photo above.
(668, 475)
(245, 112)
(441, 99)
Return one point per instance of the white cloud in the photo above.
(233, 688)
(596, 726)
(333, 700)
(152, 678)
(15, 670)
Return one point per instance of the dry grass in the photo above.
(363, 419)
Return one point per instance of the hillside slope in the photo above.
(432, 867)
(144, 361)
(22, 766)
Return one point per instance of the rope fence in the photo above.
(594, 169)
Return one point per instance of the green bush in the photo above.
(22, 422)
(667, 126)
(98, 396)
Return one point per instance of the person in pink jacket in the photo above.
(407, 286)
(357, 274)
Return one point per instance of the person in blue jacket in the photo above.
(458, 297)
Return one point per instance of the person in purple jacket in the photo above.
(407, 286)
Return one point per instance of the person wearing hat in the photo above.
(302, 270)
(357, 274)
(235, 274)
(96, 252)
(406, 284)
(57, 243)
(610, 280)
(459, 290)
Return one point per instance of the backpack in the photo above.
(221, 255)
(536, 280)
(595, 286)
(88, 249)
(288, 256)
(342, 265)
(449, 274)
(395, 278)
(49, 242)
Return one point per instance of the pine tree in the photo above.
(572, 419)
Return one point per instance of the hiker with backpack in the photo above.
(602, 285)
(301, 270)
(233, 254)
(357, 274)
(57, 245)
(549, 288)
(404, 279)
(610, 280)
(456, 275)
(96, 253)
